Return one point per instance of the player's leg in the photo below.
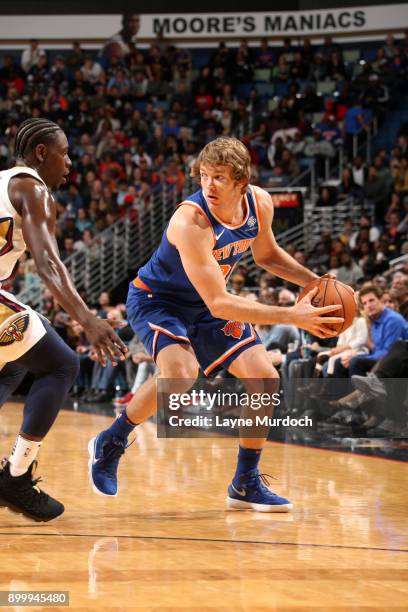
(176, 362)
(248, 490)
(55, 367)
(11, 375)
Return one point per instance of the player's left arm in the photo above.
(268, 254)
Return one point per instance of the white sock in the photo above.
(22, 455)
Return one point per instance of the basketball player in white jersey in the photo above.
(27, 342)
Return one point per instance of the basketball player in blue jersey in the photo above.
(28, 343)
(179, 306)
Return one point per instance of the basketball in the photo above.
(332, 291)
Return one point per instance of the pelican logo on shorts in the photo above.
(234, 329)
(14, 332)
(251, 222)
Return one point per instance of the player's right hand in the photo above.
(312, 319)
(106, 343)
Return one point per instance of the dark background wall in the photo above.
(16, 7)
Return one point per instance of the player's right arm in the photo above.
(36, 208)
(190, 233)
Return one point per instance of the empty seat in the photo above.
(351, 55)
(326, 87)
(272, 104)
(262, 75)
(265, 90)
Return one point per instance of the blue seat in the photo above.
(265, 90)
(242, 90)
(281, 89)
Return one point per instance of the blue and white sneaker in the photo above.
(250, 493)
(105, 452)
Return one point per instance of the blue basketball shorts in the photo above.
(159, 322)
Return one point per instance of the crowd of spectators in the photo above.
(135, 119)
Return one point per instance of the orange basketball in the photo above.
(330, 292)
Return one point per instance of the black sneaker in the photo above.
(21, 494)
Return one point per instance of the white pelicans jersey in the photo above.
(12, 244)
(20, 326)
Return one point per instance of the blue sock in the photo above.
(122, 426)
(248, 459)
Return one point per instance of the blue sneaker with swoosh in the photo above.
(250, 492)
(105, 452)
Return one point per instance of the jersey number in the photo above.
(226, 270)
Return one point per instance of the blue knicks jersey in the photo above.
(164, 273)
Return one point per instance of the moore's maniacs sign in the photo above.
(217, 25)
(261, 24)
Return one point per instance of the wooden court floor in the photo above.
(167, 543)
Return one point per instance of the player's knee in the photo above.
(187, 370)
(68, 369)
(268, 374)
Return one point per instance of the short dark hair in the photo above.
(370, 288)
(33, 132)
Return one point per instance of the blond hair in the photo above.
(225, 152)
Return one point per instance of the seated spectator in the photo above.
(389, 301)
(280, 72)
(401, 176)
(335, 66)
(386, 327)
(275, 151)
(353, 341)
(349, 272)
(92, 71)
(347, 232)
(365, 224)
(383, 170)
(264, 55)
(366, 259)
(82, 221)
(399, 292)
(238, 287)
(329, 129)
(297, 145)
(318, 261)
(348, 188)
(320, 150)
(376, 192)
(31, 56)
(278, 336)
(286, 298)
(379, 385)
(327, 197)
(359, 171)
(287, 167)
(318, 68)
(11, 75)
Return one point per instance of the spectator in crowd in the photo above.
(386, 327)
(355, 124)
(31, 56)
(123, 43)
(349, 271)
(136, 117)
(399, 293)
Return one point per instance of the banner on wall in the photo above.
(217, 25)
